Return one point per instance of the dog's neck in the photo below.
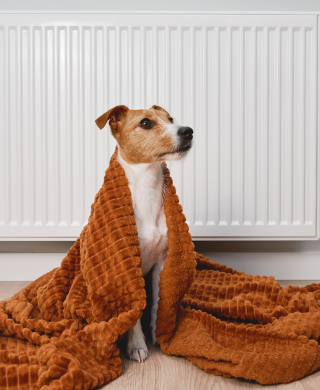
(146, 182)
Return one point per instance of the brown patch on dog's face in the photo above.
(145, 136)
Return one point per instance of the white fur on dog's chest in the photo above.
(146, 186)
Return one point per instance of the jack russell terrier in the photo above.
(146, 139)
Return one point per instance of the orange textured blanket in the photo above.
(61, 331)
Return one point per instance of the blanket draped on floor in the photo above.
(61, 331)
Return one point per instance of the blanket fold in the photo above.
(61, 331)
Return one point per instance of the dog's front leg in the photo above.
(136, 344)
(155, 297)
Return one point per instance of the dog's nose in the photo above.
(186, 132)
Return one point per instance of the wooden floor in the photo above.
(162, 372)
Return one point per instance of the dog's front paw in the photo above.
(136, 344)
(153, 338)
(138, 354)
(153, 324)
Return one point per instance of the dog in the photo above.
(146, 139)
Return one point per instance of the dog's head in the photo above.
(146, 136)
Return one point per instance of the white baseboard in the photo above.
(282, 265)
(27, 266)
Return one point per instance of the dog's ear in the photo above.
(115, 115)
(154, 107)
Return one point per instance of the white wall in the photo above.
(165, 5)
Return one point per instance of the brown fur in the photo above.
(139, 145)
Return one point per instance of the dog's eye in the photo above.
(171, 119)
(146, 123)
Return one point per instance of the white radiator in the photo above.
(247, 85)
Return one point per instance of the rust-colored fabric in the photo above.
(61, 331)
